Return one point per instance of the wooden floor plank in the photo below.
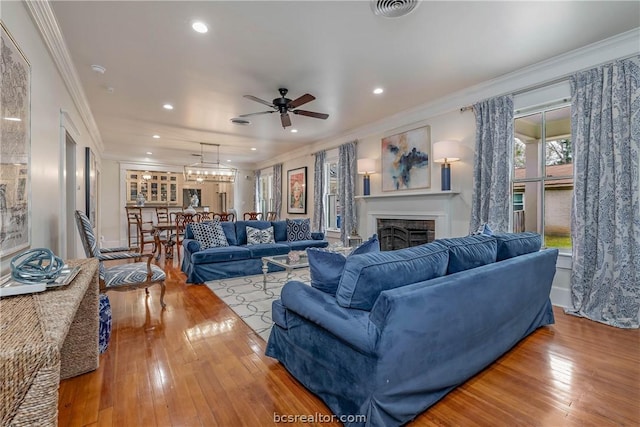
(197, 364)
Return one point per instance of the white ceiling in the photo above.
(337, 51)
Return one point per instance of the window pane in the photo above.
(526, 150)
(557, 215)
(558, 151)
(528, 217)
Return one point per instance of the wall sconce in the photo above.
(446, 152)
(366, 167)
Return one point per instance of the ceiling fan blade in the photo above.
(255, 114)
(302, 100)
(261, 101)
(311, 114)
(285, 119)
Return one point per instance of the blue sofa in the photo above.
(239, 259)
(408, 326)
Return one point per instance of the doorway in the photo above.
(70, 195)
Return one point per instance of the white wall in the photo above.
(49, 96)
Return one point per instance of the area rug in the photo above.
(244, 295)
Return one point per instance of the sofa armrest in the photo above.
(350, 325)
(191, 245)
(317, 235)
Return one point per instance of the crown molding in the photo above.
(46, 22)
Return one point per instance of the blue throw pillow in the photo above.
(298, 229)
(470, 252)
(515, 244)
(325, 267)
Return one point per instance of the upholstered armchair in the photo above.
(121, 277)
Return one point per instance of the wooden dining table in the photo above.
(169, 243)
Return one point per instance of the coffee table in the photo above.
(284, 262)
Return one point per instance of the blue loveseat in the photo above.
(239, 259)
(406, 327)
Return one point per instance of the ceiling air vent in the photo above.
(241, 122)
(393, 8)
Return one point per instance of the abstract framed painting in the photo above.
(406, 160)
(15, 149)
(297, 191)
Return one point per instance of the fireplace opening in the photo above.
(404, 233)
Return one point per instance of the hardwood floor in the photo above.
(197, 364)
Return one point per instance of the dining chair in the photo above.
(182, 219)
(252, 216)
(145, 238)
(206, 216)
(272, 216)
(145, 229)
(225, 216)
(121, 277)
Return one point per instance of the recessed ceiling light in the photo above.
(98, 68)
(378, 90)
(200, 27)
(149, 153)
(253, 148)
(13, 119)
(156, 136)
(228, 160)
(294, 130)
(167, 107)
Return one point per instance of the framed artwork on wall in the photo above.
(406, 160)
(297, 191)
(91, 186)
(15, 150)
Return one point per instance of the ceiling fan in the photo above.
(284, 106)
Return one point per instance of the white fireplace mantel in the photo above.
(433, 205)
(408, 194)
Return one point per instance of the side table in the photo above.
(45, 337)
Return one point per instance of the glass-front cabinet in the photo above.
(168, 188)
(157, 187)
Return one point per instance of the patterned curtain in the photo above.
(605, 223)
(347, 189)
(277, 189)
(492, 164)
(318, 191)
(257, 195)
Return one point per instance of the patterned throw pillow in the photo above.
(298, 229)
(256, 236)
(209, 234)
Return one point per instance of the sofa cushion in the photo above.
(366, 275)
(279, 230)
(221, 254)
(469, 252)
(229, 229)
(241, 229)
(304, 244)
(515, 244)
(209, 234)
(256, 236)
(298, 229)
(326, 266)
(268, 249)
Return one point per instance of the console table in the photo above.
(46, 337)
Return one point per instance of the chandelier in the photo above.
(209, 171)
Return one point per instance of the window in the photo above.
(543, 175)
(265, 193)
(331, 201)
